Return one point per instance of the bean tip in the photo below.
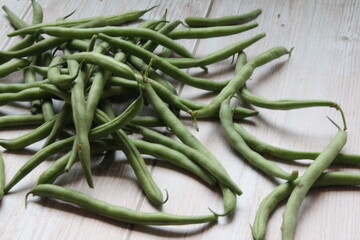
(166, 196)
(26, 198)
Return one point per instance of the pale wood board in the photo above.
(322, 66)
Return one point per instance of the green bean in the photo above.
(42, 46)
(12, 66)
(47, 104)
(239, 80)
(77, 44)
(105, 62)
(47, 109)
(164, 66)
(283, 104)
(222, 21)
(29, 138)
(307, 180)
(21, 120)
(136, 161)
(118, 122)
(24, 43)
(38, 13)
(165, 53)
(174, 157)
(37, 159)
(25, 95)
(17, 87)
(29, 39)
(82, 145)
(210, 32)
(240, 146)
(240, 62)
(229, 201)
(150, 24)
(116, 19)
(286, 154)
(147, 121)
(215, 56)
(162, 22)
(284, 190)
(95, 94)
(30, 78)
(115, 212)
(17, 22)
(87, 33)
(54, 74)
(60, 122)
(43, 71)
(187, 138)
(54, 171)
(2, 176)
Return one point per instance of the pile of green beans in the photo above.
(90, 65)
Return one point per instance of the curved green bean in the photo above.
(222, 21)
(12, 66)
(210, 32)
(21, 120)
(54, 74)
(215, 56)
(106, 62)
(307, 180)
(283, 104)
(29, 138)
(60, 122)
(286, 154)
(116, 212)
(239, 145)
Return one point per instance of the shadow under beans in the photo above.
(270, 71)
(181, 233)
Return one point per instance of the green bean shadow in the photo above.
(269, 71)
(226, 68)
(319, 191)
(19, 106)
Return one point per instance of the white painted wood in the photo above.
(323, 66)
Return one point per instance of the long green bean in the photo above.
(307, 180)
(116, 212)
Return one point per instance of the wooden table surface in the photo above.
(325, 35)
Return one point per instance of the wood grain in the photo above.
(325, 35)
